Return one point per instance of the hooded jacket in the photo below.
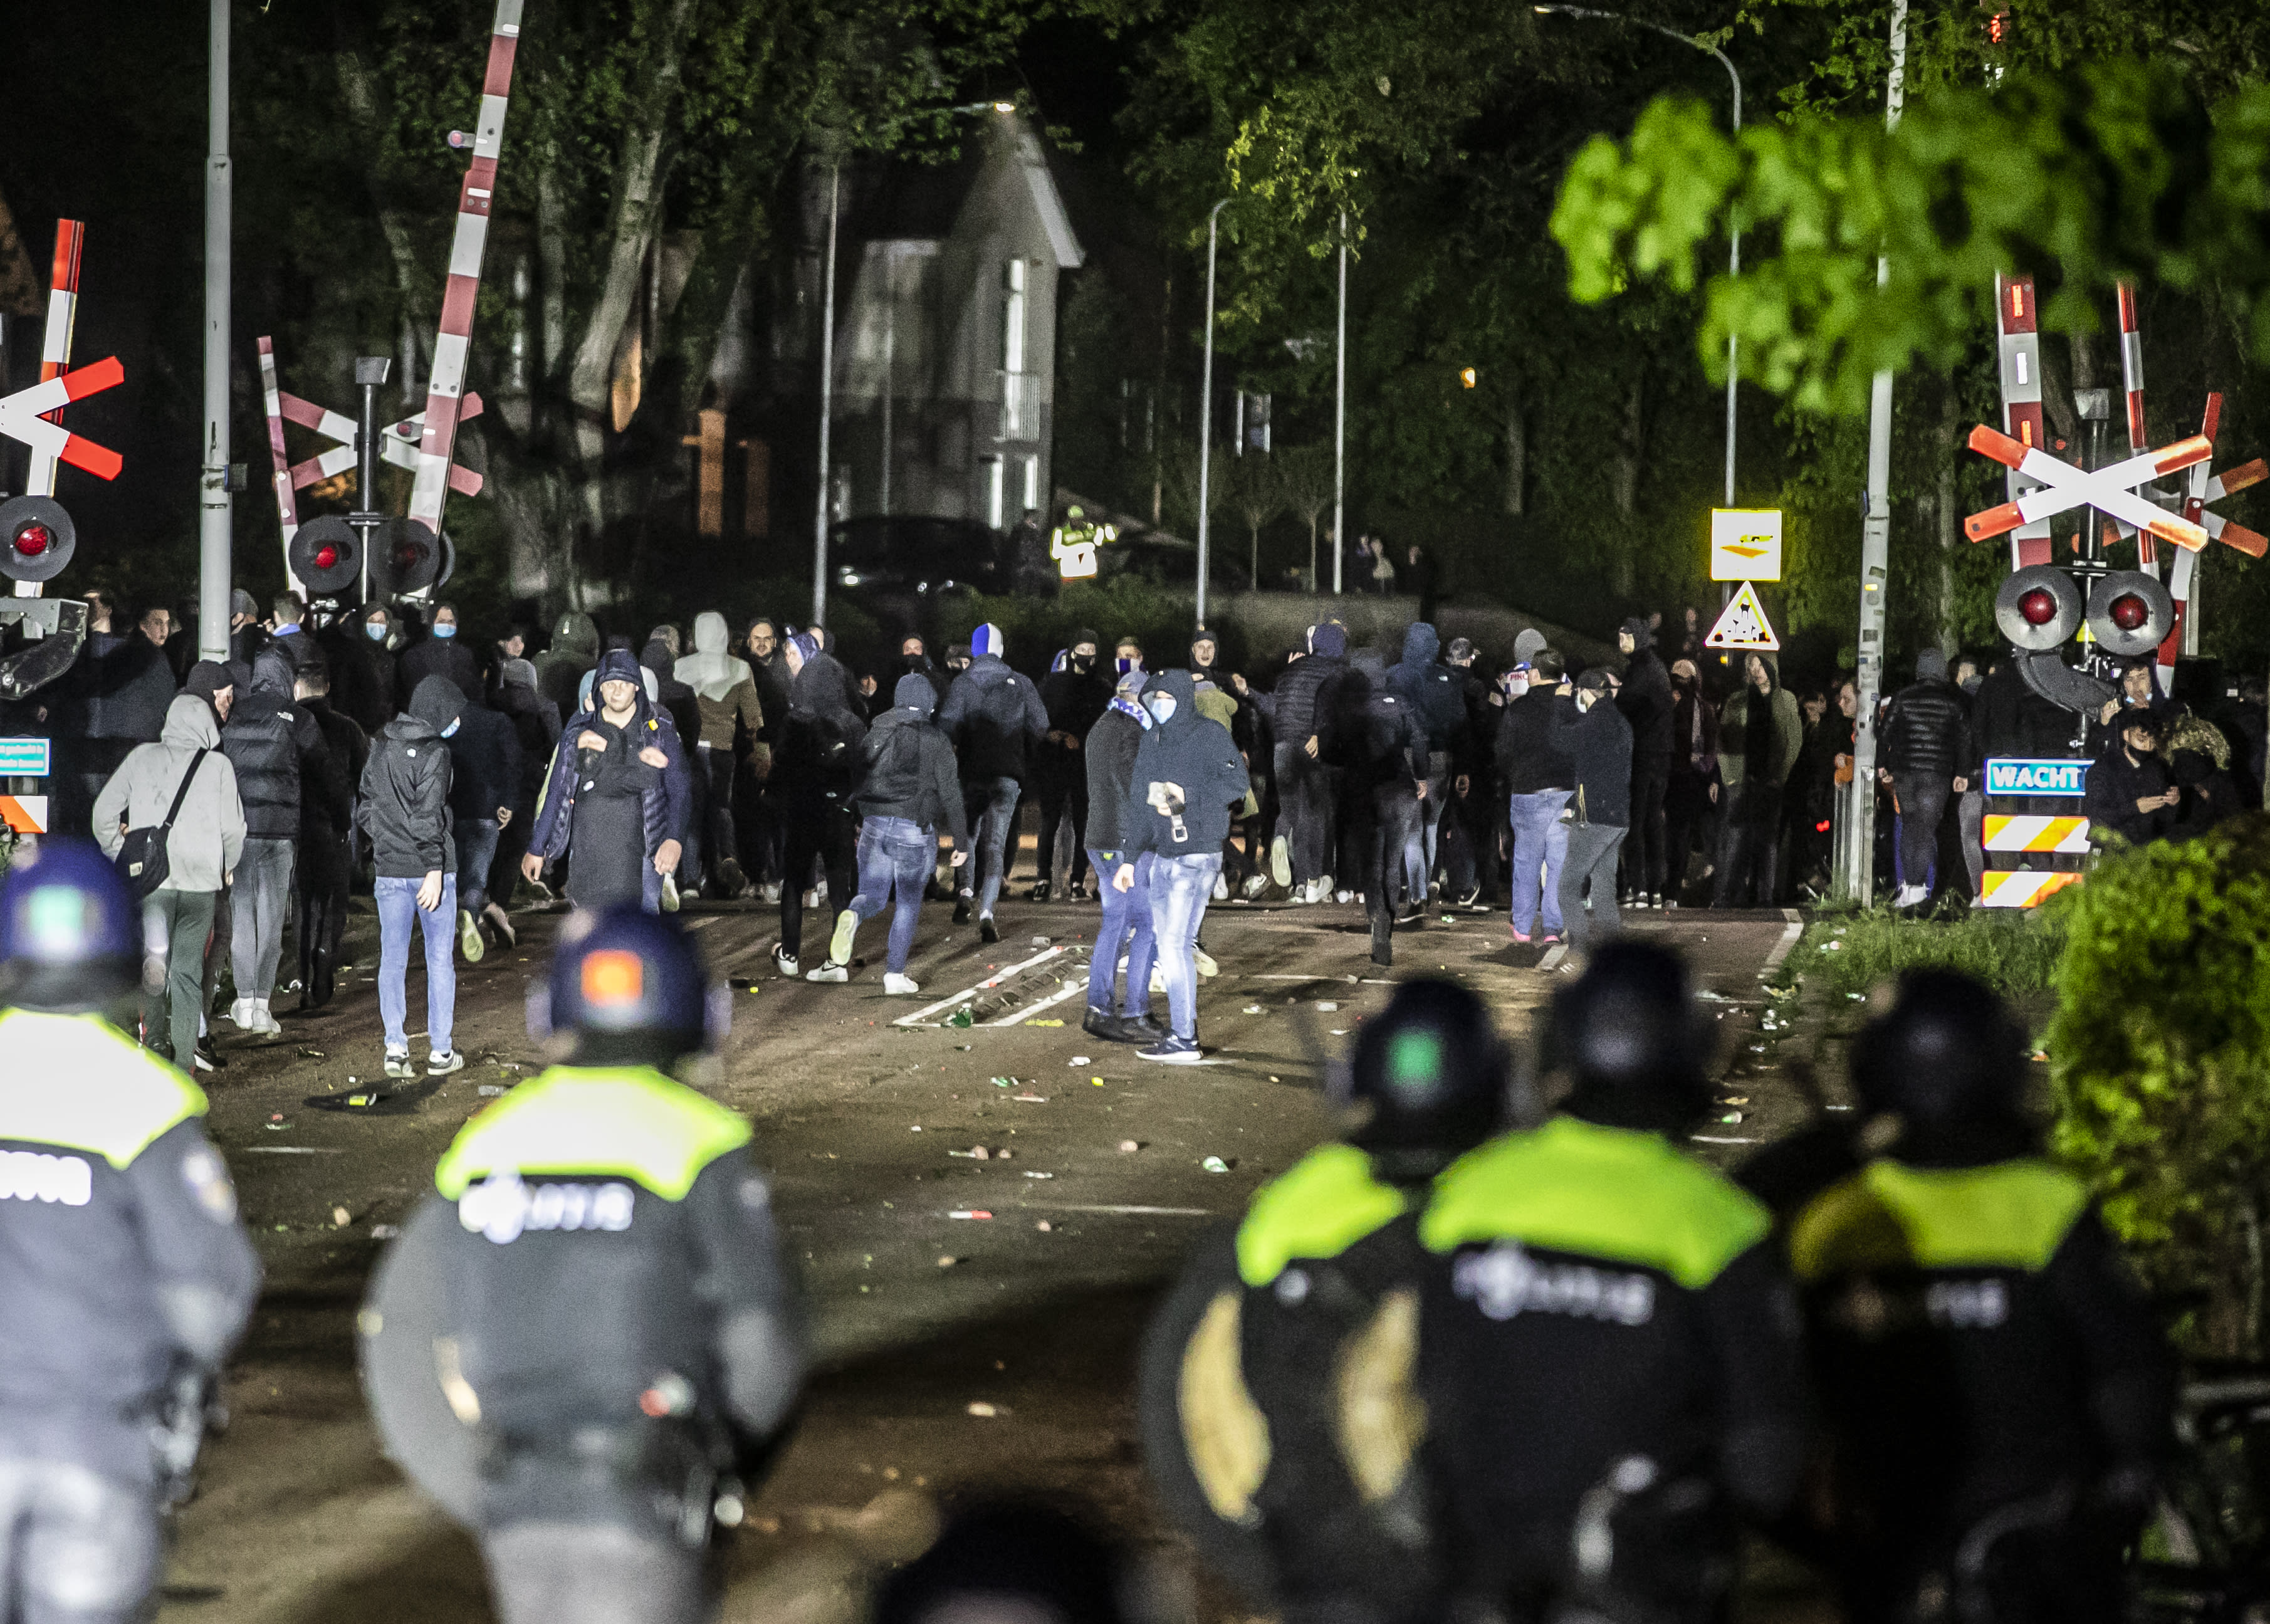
(435, 656)
(1187, 772)
(535, 724)
(1646, 701)
(1929, 730)
(125, 690)
(816, 762)
(909, 768)
(208, 834)
(723, 687)
(994, 717)
(1598, 743)
(405, 812)
(559, 669)
(675, 697)
(266, 737)
(1434, 692)
(1111, 763)
(1072, 700)
(362, 671)
(485, 765)
(1529, 758)
(327, 794)
(2113, 787)
(1382, 733)
(1747, 707)
(663, 805)
(1303, 701)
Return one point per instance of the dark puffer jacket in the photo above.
(994, 717)
(909, 769)
(1928, 732)
(404, 812)
(264, 738)
(1301, 706)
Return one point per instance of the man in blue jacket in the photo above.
(1188, 775)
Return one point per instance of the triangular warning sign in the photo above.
(1743, 625)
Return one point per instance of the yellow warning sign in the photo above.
(1745, 544)
(1743, 625)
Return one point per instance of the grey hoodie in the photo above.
(208, 835)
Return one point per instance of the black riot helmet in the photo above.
(1949, 1059)
(628, 988)
(1428, 1078)
(1628, 1033)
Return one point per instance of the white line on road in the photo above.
(292, 1150)
(921, 1017)
(1069, 989)
(1790, 932)
(1138, 1211)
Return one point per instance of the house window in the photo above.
(1015, 407)
(995, 492)
(1032, 482)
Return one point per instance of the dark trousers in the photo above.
(1305, 790)
(1749, 849)
(714, 769)
(1643, 854)
(764, 859)
(1378, 823)
(1059, 796)
(831, 834)
(1922, 799)
(512, 846)
(323, 916)
(1687, 814)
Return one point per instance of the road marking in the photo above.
(921, 1017)
(1135, 1212)
(292, 1150)
(1704, 1139)
(1069, 989)
(1790, 932)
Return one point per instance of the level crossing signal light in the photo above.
(406, 557)
(37, 539)
(326, 555)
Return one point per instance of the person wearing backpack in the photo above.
(182, 791)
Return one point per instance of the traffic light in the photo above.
(2038, 608)
(406, 557)
(326, 555)
(2129, 613)
(37, 539)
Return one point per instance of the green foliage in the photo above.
(1855, 953)
(2161, 1051)
(2106, 172)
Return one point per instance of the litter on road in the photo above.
(970, 1212)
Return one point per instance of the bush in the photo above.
(2015, 952)
(2161, 1059)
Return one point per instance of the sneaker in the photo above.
(398, 1066)
(1522, 937)
(897, 986)
(1039, 893)
(669, 897)
(961, 910)
(1103, 1024)
(1203, 959)
(208, 1057)
(1551, 939)
(987, 930)
(241, 1014)
(1654, 899)
(771, 892)
(501, 924)
(1077, 891)
(1344, 897)
(1221, 889)
(1324, 886)
(1472, 899)
(1255, 886)
(198, 1061)
(839, 945)
(1172, 1051)
(1281, 862)
(1637, 899)
(812, 897)
(269, 1026)
(1411, 915)
(469, 936)
(441, 1062)
(784, 961)
(731, 880)
(830, 971)
(1144, 1028)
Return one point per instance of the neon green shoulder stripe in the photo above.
(1325, 1204)
(1599, 1192)
(632, 1123)
(77, 1081)
(2013, 1214)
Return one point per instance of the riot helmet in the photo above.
(69, 941)
(1628, 1033)
(1428, 1078)
(628, 987)
(1949, 1060)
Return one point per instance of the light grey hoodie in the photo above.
(208, 835)
(723, 686)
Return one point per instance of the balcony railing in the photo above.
(1021, 405)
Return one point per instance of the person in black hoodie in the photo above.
(815, 771)
(1299, 712)
(756, 823)
(1436, 697)
(362, 670)
(1645, 699)
(994, 717)
(659, 658)
(1073, 697)
(536, 728)
(404, 814)
(1598, 743)
(1539, 781)
(1109, 754)
(439, 653)
(1694, 780)
(484, 784)
(327, 790)
(1387, 779)
(908, 787)
(914, 661)
(2128, 791)
(266, 739)
(1926, 745)
(1187, 776)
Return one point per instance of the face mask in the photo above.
(1516, 686)
(451, 730)
(1162, 709)
(445, 631)
(1083, 662)
(375, 630)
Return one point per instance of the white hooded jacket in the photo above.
(722, 682)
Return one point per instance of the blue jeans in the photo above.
(1122, 913)
(897, 857)
(477, 847)
(1180, 889)
(1540, 842)
(991, 803)
(398, 909)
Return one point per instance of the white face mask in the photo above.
(1162, 708)
(1516, 686)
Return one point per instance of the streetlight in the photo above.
(827, 399)
(1205, 405)
(1733, 224)
(1340, 421)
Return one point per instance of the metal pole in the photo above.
(1206, 408)
(1859, 857)
(827, 404)
(890, 344)
(1339, 420)
(213, 501)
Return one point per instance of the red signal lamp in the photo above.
(2039, 606)
(2130, 612)
(327, 557)
(33, 540)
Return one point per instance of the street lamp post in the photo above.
(1340, 421)
(1205, 406)
(213, 528)
(1734, 227)
(826, 400)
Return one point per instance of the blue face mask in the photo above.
(375, 630)
(1162, 708)
(446, 629)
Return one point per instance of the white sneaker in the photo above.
(785, 963)
(669, 894)
(1343, 897)
(1256, 885)
(839, 945)
(1910, 896)
(1203, 959)
(1221, 889)
(812, 897)
(1324, 886)
(772, 893)
(830, 971)
(240, 1013)
(1280, 861)
(897, 986)
(269, 1026)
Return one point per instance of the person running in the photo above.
(815, 772)
(726, 690)
(404, 814)
(610, 806)
(994, 717)
(1187, 775)
(908, 787)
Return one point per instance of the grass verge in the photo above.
(2015, 951)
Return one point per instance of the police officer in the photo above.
(612, 1326)
(1997, 1393)
(124, 1273)
(1610, 1363)
(1277, 1410)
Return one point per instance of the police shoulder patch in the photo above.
(207, 1177)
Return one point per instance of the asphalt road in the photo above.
(1093, 1186)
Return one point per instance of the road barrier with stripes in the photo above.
(2021, 833)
